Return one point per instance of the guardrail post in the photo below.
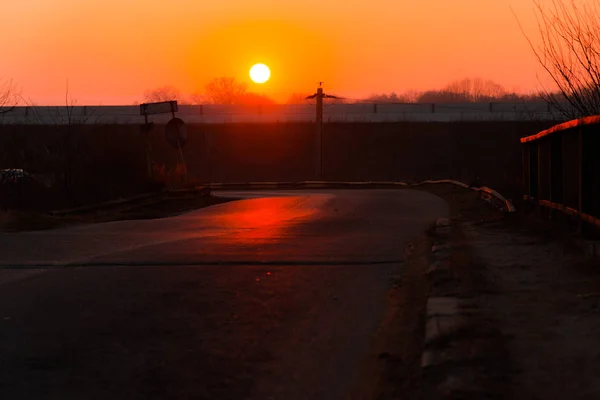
(208, 155)
(539, 178)
(579, 178)
(533, 173)
(556, 172)
(550, 173)
(525, 173)
(564, 169)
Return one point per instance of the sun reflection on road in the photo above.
(265, 220)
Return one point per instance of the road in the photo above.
(277, 296)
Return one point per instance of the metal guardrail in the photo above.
(561, 169)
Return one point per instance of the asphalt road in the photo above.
(263, 298)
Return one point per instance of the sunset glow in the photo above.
(112, 51)
(260, 73)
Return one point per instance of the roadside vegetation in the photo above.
(569, 52)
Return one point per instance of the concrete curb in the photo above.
(487, 193)
(443, 312)
(150, 197)
(448, 322)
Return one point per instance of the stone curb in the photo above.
(154, 197)
(448, 334)
(486, 193)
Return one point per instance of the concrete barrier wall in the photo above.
(109, 160)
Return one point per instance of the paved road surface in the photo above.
(264, 298)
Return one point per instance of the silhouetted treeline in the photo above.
(463, 91)
(227, 90)
(222, 90)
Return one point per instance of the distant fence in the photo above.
(561, 169)
(360, 112)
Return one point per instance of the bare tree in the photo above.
(392, 97)
(9, 96)
(476, 89)
(65, 115)
(569, 51)
(198, 98)
(164, 93)
(442, 96)
(297, 98)
(256, 99)
(468, 90)
(225, 90)
(68, 119)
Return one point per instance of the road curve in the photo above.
(277, 296)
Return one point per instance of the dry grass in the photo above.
(170, 177)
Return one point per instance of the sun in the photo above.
(260, 73)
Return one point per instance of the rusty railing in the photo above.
(561, 169)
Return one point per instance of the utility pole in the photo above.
(319, 129)
(319, 136)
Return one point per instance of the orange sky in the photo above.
(111, 51)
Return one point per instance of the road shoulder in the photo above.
(393, 368)
(513, 312)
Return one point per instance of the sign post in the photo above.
(162, 107)
(145, 129)
(175, 129)
(176, 134)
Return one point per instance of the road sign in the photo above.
(176, 133)
(163, 107)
